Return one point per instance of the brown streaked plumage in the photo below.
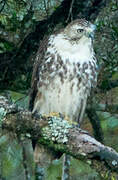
(65, 61)
(64, 72)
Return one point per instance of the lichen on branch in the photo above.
(58, 134)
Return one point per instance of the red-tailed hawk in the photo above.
(64, 71)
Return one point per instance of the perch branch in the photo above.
(57, 134)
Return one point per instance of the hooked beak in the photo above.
(90, 31)
(93, 27)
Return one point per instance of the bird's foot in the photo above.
(52, 114)
(62, 116)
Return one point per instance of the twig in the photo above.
(4, 1)
(70, 15)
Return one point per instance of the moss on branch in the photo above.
(57, 134)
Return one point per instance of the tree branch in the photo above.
(57, 134)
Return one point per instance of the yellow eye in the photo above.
(80, 30)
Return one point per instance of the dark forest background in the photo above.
(23, 24)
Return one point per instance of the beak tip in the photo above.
(93, 27)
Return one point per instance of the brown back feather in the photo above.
(36, 67)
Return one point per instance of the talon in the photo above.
(52, 114)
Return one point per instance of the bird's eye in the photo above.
(80, 30)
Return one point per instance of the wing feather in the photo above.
(39, 60)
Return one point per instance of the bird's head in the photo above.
(79, 29)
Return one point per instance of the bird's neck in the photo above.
(79, 51)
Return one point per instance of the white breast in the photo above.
(65, 97)
(74, 52)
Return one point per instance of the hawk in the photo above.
(65, 70)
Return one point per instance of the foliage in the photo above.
(107, 37)
(11, 158)
(18, 19)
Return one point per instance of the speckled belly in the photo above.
(65, 98)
